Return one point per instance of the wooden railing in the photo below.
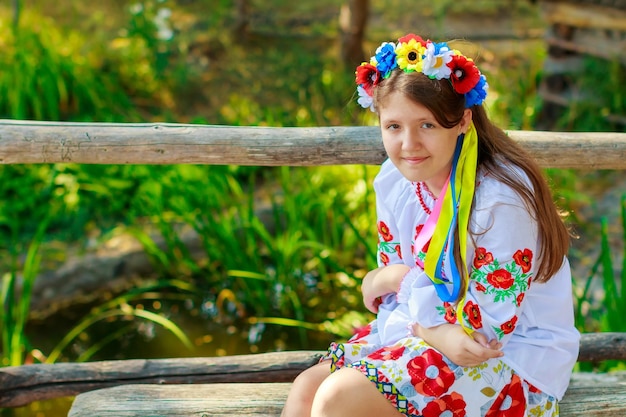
(24, 142)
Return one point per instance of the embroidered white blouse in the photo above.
(534, 321)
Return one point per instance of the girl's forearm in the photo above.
(390, 277)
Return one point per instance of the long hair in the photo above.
(494, 147)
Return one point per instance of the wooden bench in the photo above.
(253, 385)
(247, 385)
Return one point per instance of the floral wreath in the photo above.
(414, 54)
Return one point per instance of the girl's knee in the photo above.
(342, 387)
(349, 392)
(303, 390)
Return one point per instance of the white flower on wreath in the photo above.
(365, 100)
(436, 58)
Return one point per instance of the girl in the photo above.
(473, 291)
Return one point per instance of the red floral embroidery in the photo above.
(500, 278)
(473, 314)
(510, 401)
(418, 230)
(480, 287)
(524, 259)
(452, 405)
(429, 374)
(361, 332)
(383, 229)
(384, 258)
(399, 251)
(509, 326)
(482, 258)
(388, 353)
(450, 312)
(519, 299)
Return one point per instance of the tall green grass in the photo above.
(274, 257)
(607, 311)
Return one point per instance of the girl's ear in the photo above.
(466, 120)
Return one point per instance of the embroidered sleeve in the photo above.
(501, 270)
(389, 251)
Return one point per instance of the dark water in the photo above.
(145, 340)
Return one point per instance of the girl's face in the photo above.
(418, 146)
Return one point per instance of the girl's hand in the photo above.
(458, 346)
(381, 281)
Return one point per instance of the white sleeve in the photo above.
(501, 269)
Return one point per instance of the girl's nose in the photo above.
(411, 141)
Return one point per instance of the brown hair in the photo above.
(493, 146)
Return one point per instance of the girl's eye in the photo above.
(393, 126)
(427, 125)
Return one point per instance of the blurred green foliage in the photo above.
(282, 246)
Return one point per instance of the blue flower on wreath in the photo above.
(386, 58)
(477, 94)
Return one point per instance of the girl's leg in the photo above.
(303, 390)
(347, 392)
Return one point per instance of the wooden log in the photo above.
(599, 395)
(22, 385)
(214, 400)
(595, 347)
(583, 16)
(25, 142)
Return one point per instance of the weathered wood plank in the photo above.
(214, 400)
(25, 142)
(21, 385)
(583, 16)
(595, 347)
(24, 384)
(598, 395)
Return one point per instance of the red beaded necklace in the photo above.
(418, 191)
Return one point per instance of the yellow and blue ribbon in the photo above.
(455, 209)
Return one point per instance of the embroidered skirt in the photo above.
(421, 382)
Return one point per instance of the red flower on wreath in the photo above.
(407, 38)
(509, 326)
(388, 353)
(510, 401)
(524, 259)
(482, 258)
(367, 76)
(465, 74)
(452, 405)
(500, 278)
(473, 314)
(450, 312)
(430, 375)
(383, 229)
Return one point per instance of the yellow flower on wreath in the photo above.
(410, 55)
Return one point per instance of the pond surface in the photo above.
(145, 340)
